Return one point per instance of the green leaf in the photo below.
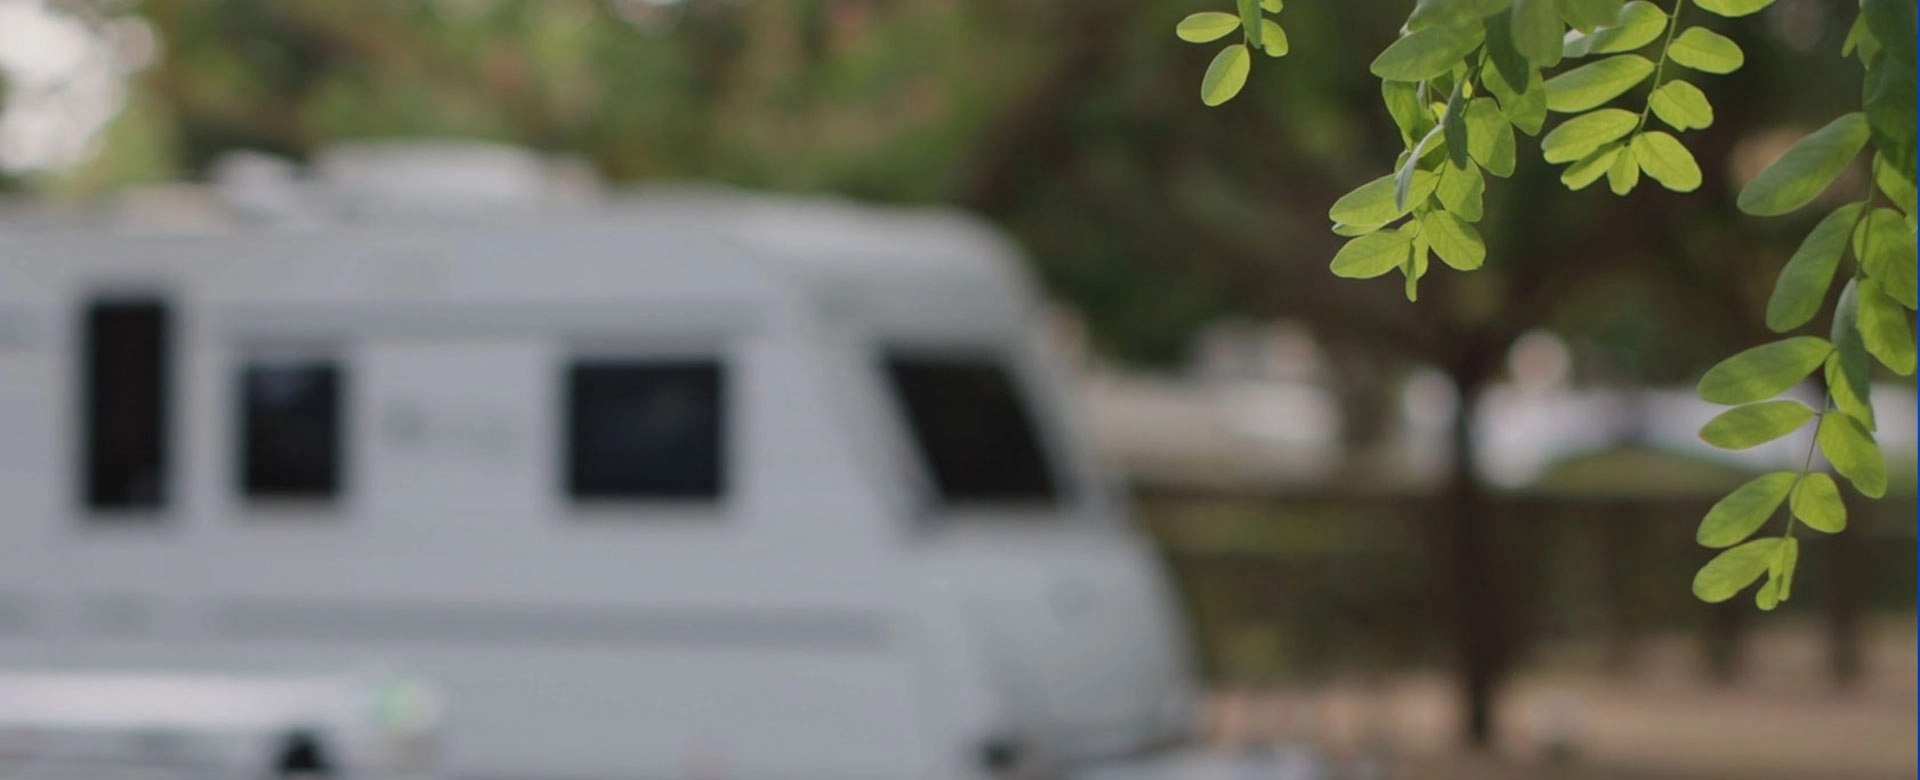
(1444, 12)
(1273, 39)
(1250, 21)
(1593, 84)
(1892, 22)
(1206, 26)
(1860, 39)
(1226, 75)
(1705, 50)
(1623, 175)
(1426, 53)
(1732, 7)
(1764, 371)
(1755, 424)
(1898, 188)
(1885, 247)
(1850, 348)
(1371, 255)
(1681, 105)
(1590, 168)
(1850, 400)
(1456, 242)
(1352, 231)
(1588, 15)
(1745, 510)
(1888, 96)
(1525, 107)
(1403, 104)
(1461, 189)
(1805, 170)
(1667, 160)
(1581, 135)
(1802, 286)
(1372, 204)
(1639, 23)
(1405, 180)
(1272, 6)
(1784, 562)
(1537, 27)
(1455, 121)
(1853, 453)
(1489, 137)
(1507, 62)
(1816, 501)
(1883, 326)
(1415, 266)
(1732, 571)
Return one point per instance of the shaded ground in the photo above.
(1660, 720)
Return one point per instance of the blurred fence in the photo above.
(1292, 586)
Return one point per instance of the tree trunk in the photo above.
(1473, 566)
(1846, 581)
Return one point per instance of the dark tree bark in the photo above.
(1473, 565)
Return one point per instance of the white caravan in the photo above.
(694, 486)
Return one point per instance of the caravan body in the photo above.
(677, 486)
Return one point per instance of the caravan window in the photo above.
(974, 433)
(124, 429)
(644, 429)
(290, 435)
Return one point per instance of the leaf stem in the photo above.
(1660, 68)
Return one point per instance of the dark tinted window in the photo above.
(973, 430)
(644, 430)
(125, 385)
(290, 429)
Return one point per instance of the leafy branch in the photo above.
(1490, 59)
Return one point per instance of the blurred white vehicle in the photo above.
(686, 485)
(61, 725)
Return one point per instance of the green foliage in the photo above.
(1816, 502)
(1745, 510)
(1764, 371)
(1227, 74)
(1807, 169)
(1802, 286)
(1755, 424)
(1492, 58)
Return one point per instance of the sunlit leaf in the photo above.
(1755, 424)
(1427, 52)
(1526, 105)
(1581, 135)
(1802, 286)
(1461, 191)
(1372, 203)
(1371, 255)
(1853, 453)
(1273, 39)
(1732, 571)
(1489, 137)
(1816, 501)
(1667, 160)
(1805, 170)
(1206, 26)
(1538, 27)
(1590, 168)
(1849, 347)
(1745, 510)
(1681, 105)
(1885, 247)
(1764, 371)
(1454, 119)
(1884, 329)
(1454, 11)
(1226, 75)
(1591, 14)
(1623, 175)
(1898, 188)
(1639, 23)
(1402, 99)
(1852, 401)
(1593, 84)
(1733, 7)
(1456, 242)
(1705, 50)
